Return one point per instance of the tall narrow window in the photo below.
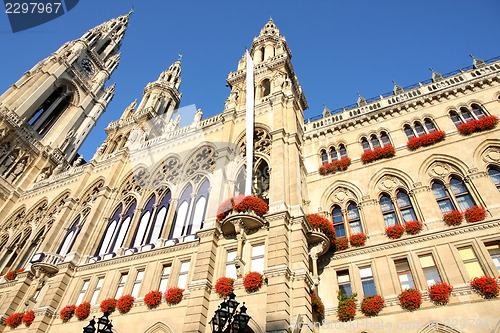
(165, 275)
(388, 211)
(183, 275)
(442, 198)
(257, 260)
(367, 281)
(405, 206)
(266, 87)
(137, 283)
(365, 144)
(159, 222)
(478, 111)
(466, 115)
(385, 139)
(344, 282)
(404, 274)
(455, 118)
(333, 154)
(230, 267)
(123, 227)
(144, 221)
(354, 220)
(121, 285)
(494, 251)
(419, 129)
(343, 151)
(338, 222)
(461, 194)
(429, 125)
(70, 237)
(179, 228)
(200, 207)
(430, 270)
(97, 290)
(470, 261)
(495, 177)
(324, 157)
(409, 132)
(82, 292)
(375, 142)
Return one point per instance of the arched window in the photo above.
(34, 244)
(199, 209)
(353, 219)
(375, 142)
(348, 224)
(419, 128)
(365, 144)
(261, 180)
(239, 187)
(70, 238)
(179, 227)
(405, 207)
(398, 212)
(122, 227)
(343, 151)
(455, 118)
(495, 177)
(104, 46)
(159, 221)
(465, 115)
(50, 110)
(461, 194)
(409, 132)
(266, 87)
(333, 154)
(429, 125)
(144, 223)
(443, 198)
(388, 211)
(324, 157)
(478, 111)
(338, 222)
(110, 231)
(262, 50)
(385, 139)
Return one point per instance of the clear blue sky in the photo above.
(339, 47)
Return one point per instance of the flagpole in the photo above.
(249, 122)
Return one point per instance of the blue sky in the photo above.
(338, 47)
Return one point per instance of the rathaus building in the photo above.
(141, 214)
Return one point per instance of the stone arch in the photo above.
(159, 327)
(332, 194)
(15, 218)
(166, 172)
(201, 158)
(255, 327)
(441, 166)
(437, 327)
(487, 153)
(389, 180)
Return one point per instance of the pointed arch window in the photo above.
(338, 222)
(179, 227)
(324, 157)
(266, 87)
(144, 223)
(458, 196)
(495, 177)
(30, 251)
(461, 194)
(405, 207)
(159, 221)
(398, 212)
(347, 223)
(465, 115)
(70, 238)
(199, 209)
(388, 211)
(443, 198)
(110, 231)
(333, 154)
(123, 226)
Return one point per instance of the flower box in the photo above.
(486, 286)
(474, 126)
(453, 218)
(28, 318)
(242, 203)
(334, 166)
(410, 299)
(224, 286)
(10, 276)
(426, 140)
(253, 281)
(358, 240)
(14, 320)
(372, 305)
(347, 307)
(124, 303)
(378, 153)
(395, 231)
(318, 308)
(108, 305)
(83, 311)
(153, 299)
(324, 225)
(440, 293)
(341, 244)
(413, 227)
(67, 312)
(174, 295)
(475, 214)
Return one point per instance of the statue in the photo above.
(3, 150)
(59, 169)
(43, 175)
(7, 163)
(197, 118)
(19, 168)
(78, 161)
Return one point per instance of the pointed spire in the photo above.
(131, 11)
(477, 62)
(129, 110)
(435, 76)
(397, 88)
(270, 28)
(326, 111)
(361, 100)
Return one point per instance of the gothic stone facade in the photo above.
(141, 214)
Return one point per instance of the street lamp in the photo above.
(227, 320)
(103, 325)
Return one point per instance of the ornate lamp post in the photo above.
(227, 320)
(103, 325)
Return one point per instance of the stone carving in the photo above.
(197, 118)
(18, 170)
(4, 150)
(278, 81)
(174, 124)
(492, 154)
(58, 170)
(7, 162)
(78, 161)
(440, 170)
(43, 175)
(262, 142)
(202, 160)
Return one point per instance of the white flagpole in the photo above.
(249, 124)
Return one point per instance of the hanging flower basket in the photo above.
(325, 226)
(440, 293)
(83, 311)
(153, 299)
(334, 166)
(124, 303)
(474, 126)
(426, 140)
(108, 305)
(173, 296)
(486, 286)
(13, 274)
(67, 312)
(394, 231)
(253, 281)
(224, 286)
(413, 227)
(475, 214)
(453, 218)
(14, 320)
(28, 318)
(410, 299)
(240, 204)
(372, 305)
(341, 244)
(318, 308)
(358, 240)
(347, 307)
(377, 154)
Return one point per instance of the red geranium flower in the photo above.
(253, 281)
(335, 166)
(486, 286)
(174, 295)
(108, 305)
(347, 307)
(453, 218)
(67, 312)
(153, 299)
(378, 153)
(124, 303)
(83, 311)
(440, 292)
(372, 305)
(475, 214)
(28, 318)
(413, 227)
(341, 244)
(426, 140)
(318, 222)
(358, 240)
(395, 231)
(224, 286)
(473, 126)
(410, 299)
(318, 307)
(242, 203)
(14, 320)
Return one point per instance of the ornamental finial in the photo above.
(180, 57)
(131, 11)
